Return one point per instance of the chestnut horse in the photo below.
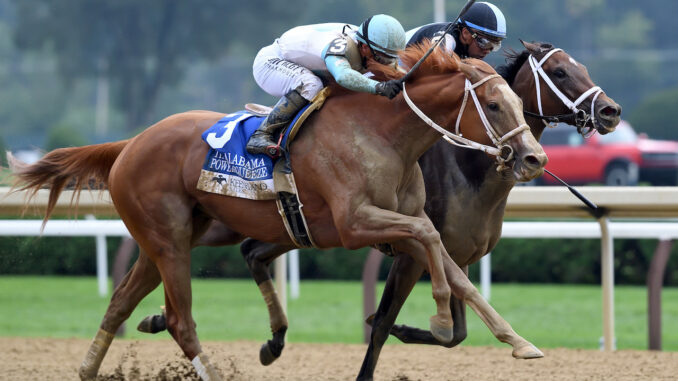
(465, 196)
(358, 179)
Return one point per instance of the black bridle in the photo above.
(579, 119)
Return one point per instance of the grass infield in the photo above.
(327, 311)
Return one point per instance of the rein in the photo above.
(578, 117)
(502, 152)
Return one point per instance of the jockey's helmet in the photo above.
(382, 33)
(485, 19)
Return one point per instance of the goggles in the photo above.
(486, 43)
(383, 58)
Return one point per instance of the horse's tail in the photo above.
(76, 167)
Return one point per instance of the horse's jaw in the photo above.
(522, 175)
(529, 158)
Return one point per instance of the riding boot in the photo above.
(283, 112)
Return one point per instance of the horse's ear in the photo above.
(535, 48)
(470, 71)
(532, 47)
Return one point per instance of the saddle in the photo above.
(230, 170)
(290, 131)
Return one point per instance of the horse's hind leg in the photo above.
(173, 264)
(163, 224)
(142, 278)
(259, 256)
(206, 232)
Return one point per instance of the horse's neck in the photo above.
(439, 98)
(465, 199)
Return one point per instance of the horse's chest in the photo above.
(468, 241)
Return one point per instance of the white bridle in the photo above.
(501, 151)
(537, 70)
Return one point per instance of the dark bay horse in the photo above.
(465, 197)
(357, 176)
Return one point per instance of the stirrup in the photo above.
(274, 151)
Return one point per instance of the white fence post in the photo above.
(607, 280)
(294, 273)
(102, 260)
(486, 275)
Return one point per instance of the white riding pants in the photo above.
(277, 76)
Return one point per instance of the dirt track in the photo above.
(58, 359)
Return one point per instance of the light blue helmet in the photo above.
(382, 33)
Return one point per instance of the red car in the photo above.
(618, 158)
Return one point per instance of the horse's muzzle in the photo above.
(607, 116)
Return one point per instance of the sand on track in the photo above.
(59, 359)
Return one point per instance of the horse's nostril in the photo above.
(531, 161)
(610, 111)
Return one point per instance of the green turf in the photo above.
(547, 315)
(5, 175)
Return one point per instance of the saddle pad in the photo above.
(228, 168)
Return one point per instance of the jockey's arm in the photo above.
(351, 79)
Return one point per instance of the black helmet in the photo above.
(485, 18)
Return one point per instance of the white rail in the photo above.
(523, 202)
(73, 228)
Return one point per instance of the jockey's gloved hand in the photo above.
(389, 88)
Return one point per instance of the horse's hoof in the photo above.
(441, 329)
(266, 356)
(87, 374)
(528, 351)
(152, 324)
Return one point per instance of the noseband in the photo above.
(578, 117)
(503, 152)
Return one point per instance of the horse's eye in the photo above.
(559, 73)
(493, 106)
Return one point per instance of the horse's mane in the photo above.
(438, 62)
(515, 60)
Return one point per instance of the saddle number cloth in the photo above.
(229, 169)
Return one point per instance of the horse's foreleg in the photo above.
(259, 256)
(370, 225)
(142, 278)
(500, 328)
(401, 279)
(413, 335)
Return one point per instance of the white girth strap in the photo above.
(456, 138)
(538, 71)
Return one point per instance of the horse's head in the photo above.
(561, 87)
(501, 112)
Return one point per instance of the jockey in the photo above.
(477, 33)
(292, 66)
